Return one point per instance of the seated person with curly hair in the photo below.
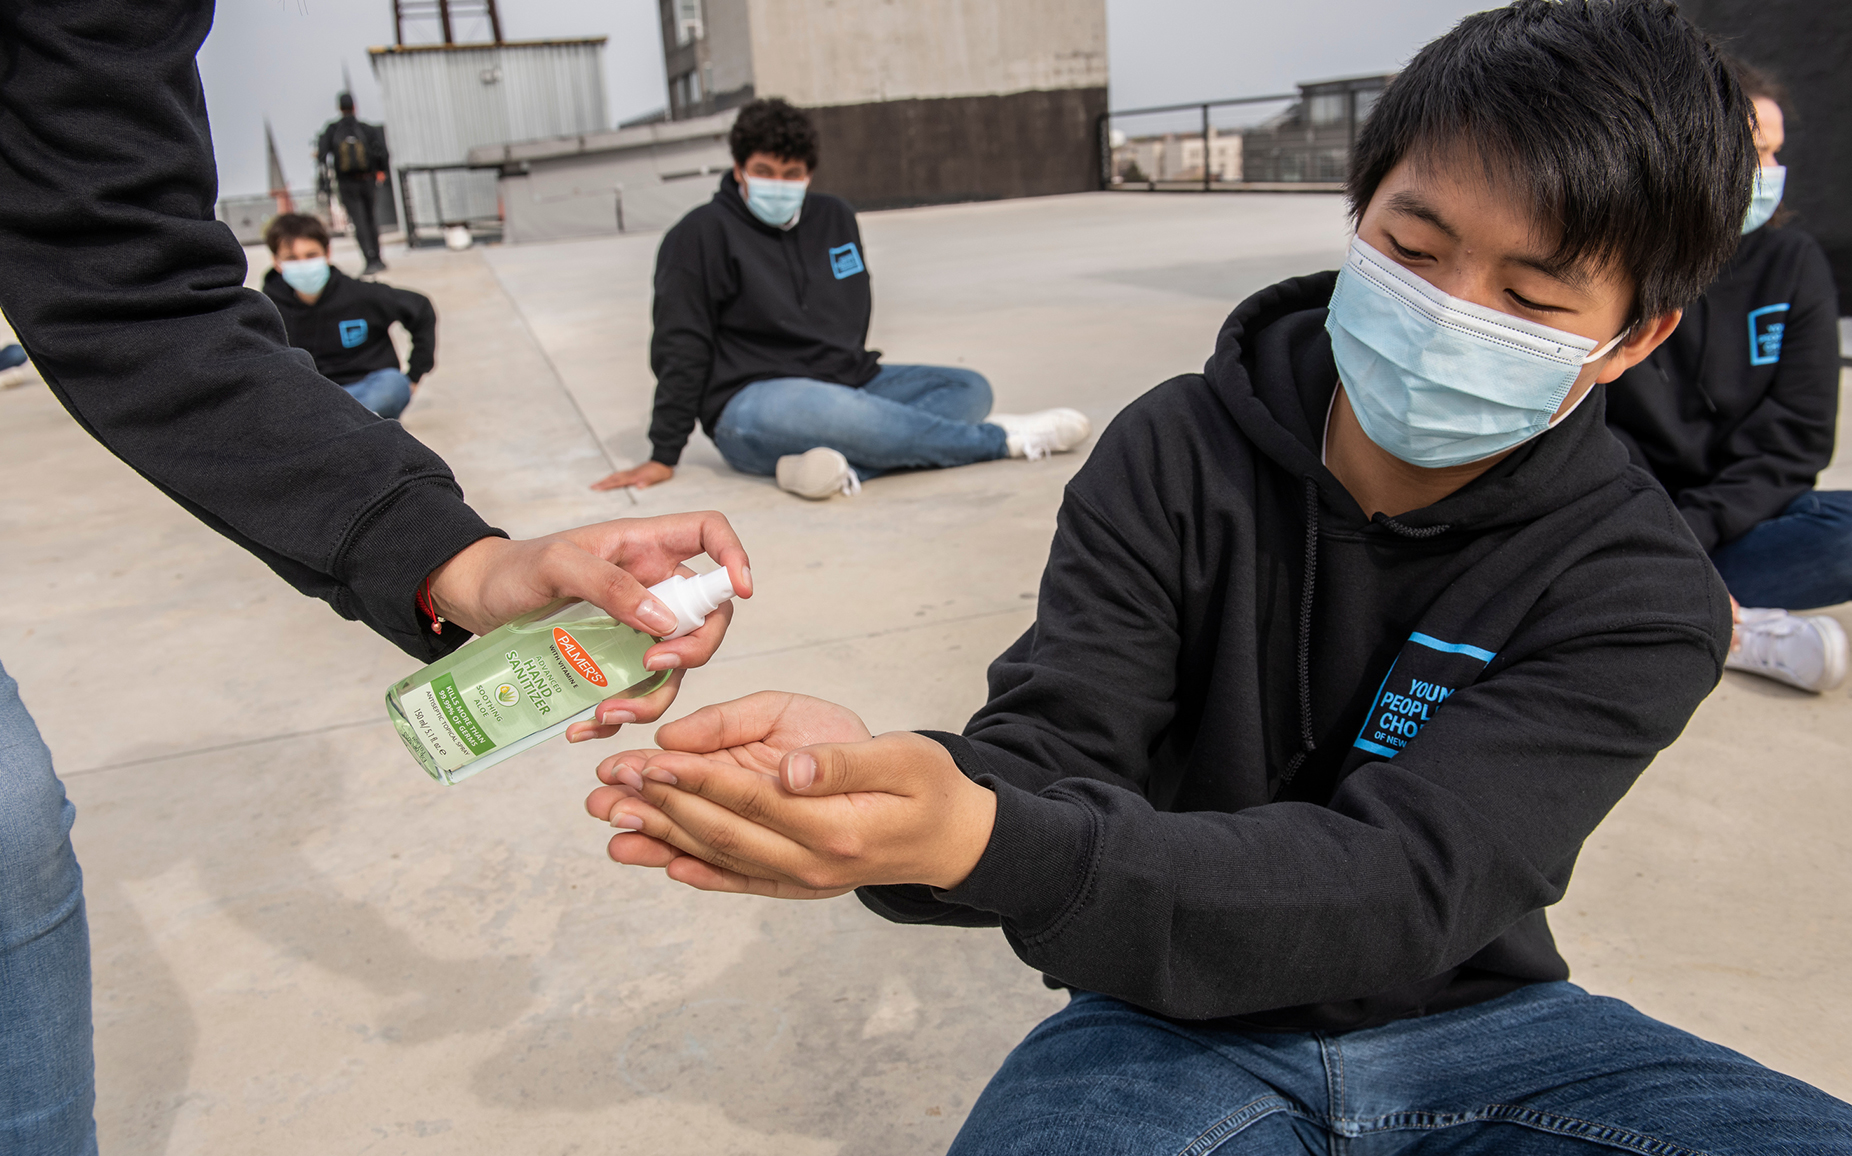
(761, 315)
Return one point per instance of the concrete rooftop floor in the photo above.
(302, 945)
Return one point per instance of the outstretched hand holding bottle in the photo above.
(560, 589)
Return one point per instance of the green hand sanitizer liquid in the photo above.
(520, 684)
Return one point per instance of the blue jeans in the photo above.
(908, 417)
(1548, 1069)
(384, 391)
(1798, 560)
(47, 1071)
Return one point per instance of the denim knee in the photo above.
(40, 886)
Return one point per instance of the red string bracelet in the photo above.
(428, 606)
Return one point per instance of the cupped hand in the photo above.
(754, 733)
(891, 809)
(642, 477)
(610, 565)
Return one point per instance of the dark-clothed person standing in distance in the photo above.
(355, 152)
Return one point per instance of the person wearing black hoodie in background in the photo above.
(355, 152)
(1343, 649)
(343, 323)
(1736, 415)
(761, 323)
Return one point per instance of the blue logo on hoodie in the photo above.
(1765, 326)
(845, 260)
(1431, 671)
(353, 333)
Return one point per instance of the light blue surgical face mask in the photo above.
(775, 202)
(309, 275)
(1438, 381)
(1770, 181)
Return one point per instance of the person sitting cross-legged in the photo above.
(761, 316)
(1736, 414)
(1343, 650)
(344, 323)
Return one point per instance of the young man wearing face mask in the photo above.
(761, 314)
(343, 322)
(1736, 414)
(1343, 649)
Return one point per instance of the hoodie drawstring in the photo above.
(1307, 744)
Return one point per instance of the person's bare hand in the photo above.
(891, 809)
(642, 477)
(755, 733)
(609, 564)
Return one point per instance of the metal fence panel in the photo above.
(442, 101)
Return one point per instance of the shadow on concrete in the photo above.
(794, 1040)
(1229, 281)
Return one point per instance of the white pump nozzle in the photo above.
(691, 600)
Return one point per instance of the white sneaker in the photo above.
(18, 375)
(1048, 431)
(818, 474)
(1804, 650)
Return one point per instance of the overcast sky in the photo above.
(282, 58)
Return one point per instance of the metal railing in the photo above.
(1304, 146)
(1208, 131)
(440, 197)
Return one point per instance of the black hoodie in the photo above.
(738, 301)
(130, 298)
(1264, 760)
(344, 328)
(1735, 413)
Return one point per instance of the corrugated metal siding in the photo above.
(441, 103)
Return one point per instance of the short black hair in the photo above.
(1617, 120)
(294, 226)
(345, 102)
(772, 126)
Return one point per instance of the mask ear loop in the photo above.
(1608, 348)
(1590, 360)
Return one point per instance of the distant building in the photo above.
(1176, 157)
(1311, 140)
(916, 101)
(442, 100)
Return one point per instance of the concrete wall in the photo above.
(824, 52)
(895, 153)
(558, 190)
(928, 101)
(729, 49)
(1806, 46)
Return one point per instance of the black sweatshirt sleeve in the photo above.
(129, 297)
(1416, 863)
(691, 280)
(415, 312)
(1780, 447)
(377, 152)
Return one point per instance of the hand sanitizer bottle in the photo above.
(520, 684)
